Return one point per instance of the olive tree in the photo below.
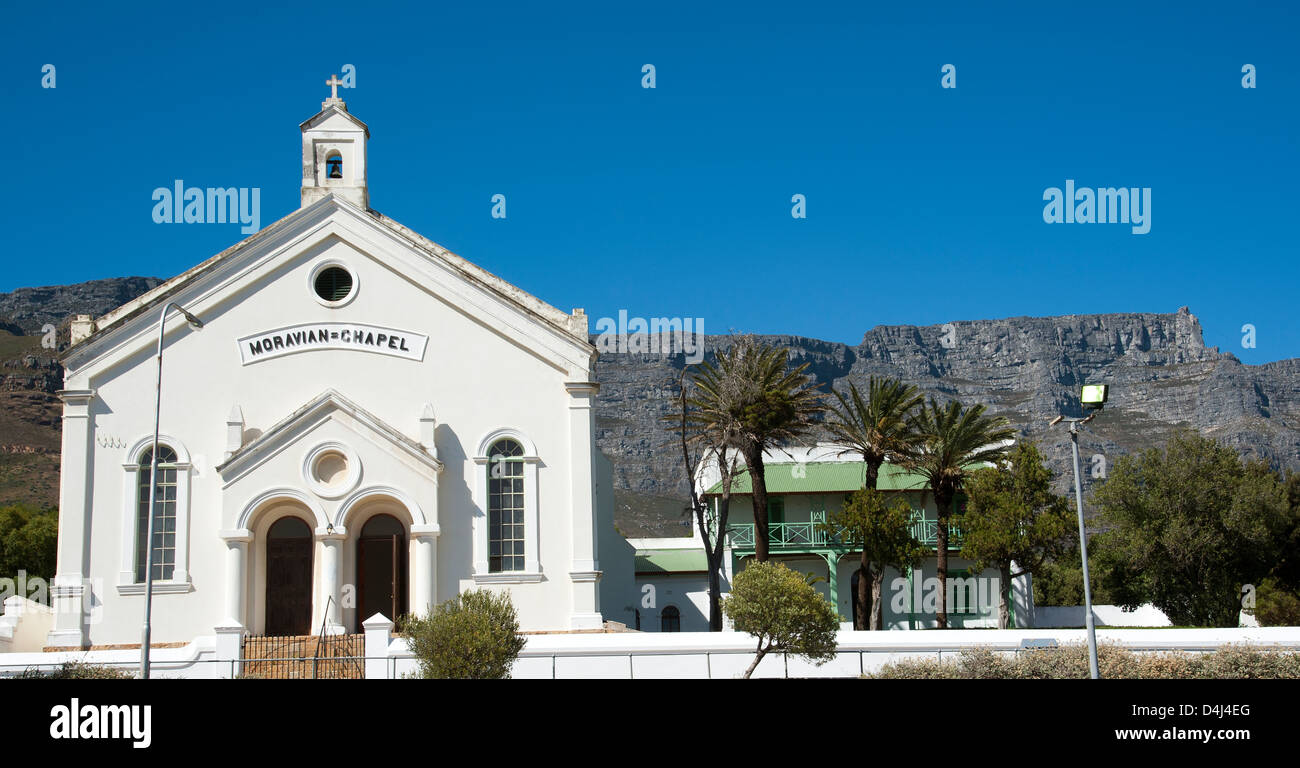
(475, 635)
(1190, 525)
(783, 611)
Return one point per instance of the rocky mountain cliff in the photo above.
(30, 309)
(1162, 377)
(1028, 369)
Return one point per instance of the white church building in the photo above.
(364, 423)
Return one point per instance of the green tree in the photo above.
(878, 429)
(1275, 605)
(954, 440)
(1059, 580)
(475, 635)
(783, 611)
(884, 534)
(28, 541)
(1013, 517)
(1278, 596)
(1190, 525)
(751, 399)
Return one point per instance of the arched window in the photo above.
(507, 517)
(164, 515)
(505, 507)
(670, 619)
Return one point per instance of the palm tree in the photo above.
(879, 429)
(954, 441)
(749, 396)
(707, 435)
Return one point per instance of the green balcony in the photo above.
(798, 536)
(787, 536)
(926, 531)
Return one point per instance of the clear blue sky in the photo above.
(924, 204)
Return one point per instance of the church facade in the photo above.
(363, 423)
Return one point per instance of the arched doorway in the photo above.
(381, 569)
(289, 546)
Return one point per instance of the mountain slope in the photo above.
(1029, 369)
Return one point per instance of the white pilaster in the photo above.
(329, 594)
(234, 431)
(424, 589)
(379, 633)
(236, 575)
(428, 427)
(230, 636)
(584, 570)
(68, 592)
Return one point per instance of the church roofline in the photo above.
(327, 108)
(330, 398)
(469, 269)
(561, 322)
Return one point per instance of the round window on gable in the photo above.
(333, 284)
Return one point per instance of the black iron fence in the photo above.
(311, 657)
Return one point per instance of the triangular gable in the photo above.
(332, 111)
(540, 328)
(288, 430)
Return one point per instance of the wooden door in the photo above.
(288, 578)
(381, 569)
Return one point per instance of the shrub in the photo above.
(781, 609)
(1243, 661)
(1113, 662)
(919, 669)
(984, 664)
(75, 670)
(472, 636)
(1276, 606)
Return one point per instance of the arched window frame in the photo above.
(670, 614)
(482, 468)
(131, 476)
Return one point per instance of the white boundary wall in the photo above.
(721, 655)
(678, 655)
(198, 659)
(1071, 616)
(1046, 616)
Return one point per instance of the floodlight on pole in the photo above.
(146, 632)
(1092, 397)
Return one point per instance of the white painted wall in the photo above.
(490, 363)
(24, 625)
(688, 592)
(1111, 616)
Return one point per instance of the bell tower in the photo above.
(334, 153)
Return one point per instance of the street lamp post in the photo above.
(196, 324)
(1093, 397)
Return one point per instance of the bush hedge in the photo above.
(472, 636)
(74, 670)
(1113, 662)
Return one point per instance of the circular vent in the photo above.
(333, 284)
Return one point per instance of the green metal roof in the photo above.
(824, 477)
(671, 560)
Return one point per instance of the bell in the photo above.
(335, 169)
